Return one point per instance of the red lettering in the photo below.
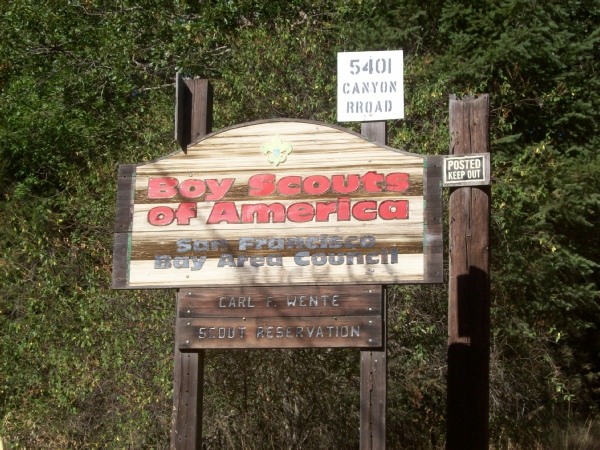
(301, 212)
(161, 216)
(370, 181)
(263, 213)
(289, 185)
(343, 209)
(397, 182)
(192, 188)
(185, 212)
(263, 184)
(316, 184)
(343, 185)
(393, 209)
(218, 191)
(324, 210)
(223, 212)
(361, 211)
(162, 187)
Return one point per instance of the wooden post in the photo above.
(373, 364)
(193, 110)
(193, 119)
(188, 391)
(469, 286)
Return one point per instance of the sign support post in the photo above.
(193, 119)
(373, 364)
(469, 286)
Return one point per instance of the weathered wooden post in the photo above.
(469, 286)
(193, 119)
(373, 364)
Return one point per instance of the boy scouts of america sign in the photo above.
(277, 203)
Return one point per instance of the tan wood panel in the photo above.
(279, 332)
(203, 211)
(281, 301)
(409, 268)
(233, 156)
(236, 186)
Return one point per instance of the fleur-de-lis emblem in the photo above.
(276, 151)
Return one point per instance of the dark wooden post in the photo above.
(193, 119)
(373, 364)
(193, 110)
(469, 286)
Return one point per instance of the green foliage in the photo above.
(89, 84)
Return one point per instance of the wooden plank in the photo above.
(239, 180)
(120, 262)
(469, 286)
(188, 389)
(379, 399)
(366, 388)
(373, 369)
(283, 272)
(125, 190)
(145, 249)
(279, 332)
(292, 301)
(188, 383)
(201, 108)
(183, 113)
(193, 110)
(123, 222)
(433, 224)
(277, 216)
(373, 398)
(375, 131)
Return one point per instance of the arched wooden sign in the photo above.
(278, 203)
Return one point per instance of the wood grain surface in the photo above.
(220, 193)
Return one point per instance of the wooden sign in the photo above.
(280, 317)
(279, 203)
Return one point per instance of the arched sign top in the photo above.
(280, 202)
(300, 127)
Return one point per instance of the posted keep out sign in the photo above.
(278, 203)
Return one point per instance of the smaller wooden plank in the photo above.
(282, 301)
(201, 108)
(125, 193)
(375, 131)
(280, 332)
(379, 399)
(373, 393)
(123, 221)
(182, 112)
(366, 387)
(188, 389)
(120, 264)
(433, 224)
(193, 110)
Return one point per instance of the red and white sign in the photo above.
(278, 203)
